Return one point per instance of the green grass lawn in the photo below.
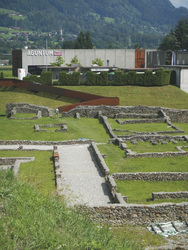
(16, 95)
(118, 163)
(140, 127)
(143, 147)
(141, 191)
(39, 172)
(24, 115)
(77, 128)
(166, 96)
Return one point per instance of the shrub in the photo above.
(33, 78)
(69, 79)
(91, 78)
(2, 75)
(102, 79)
(46, 77)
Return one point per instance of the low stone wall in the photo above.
(156, 120)
(57, 170)
(15, 110)
(7, 161)
(49, 143)
(151, 176)
(28, 108)
(113, 189)
(153, 137)
(63, 127)
(175, 115)
(139, 214)
(130, 154)
(100, 160)
(13, 163)
(104, 119)
(169, 195)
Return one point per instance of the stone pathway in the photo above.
(83, 181)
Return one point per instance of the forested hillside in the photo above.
(111, 23)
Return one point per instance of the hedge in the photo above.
(1, 75)
(148, 78)
(160, 78)
(69, 79)
(46, 78)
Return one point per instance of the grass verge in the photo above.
(30, 220)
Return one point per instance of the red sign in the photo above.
(57, 53)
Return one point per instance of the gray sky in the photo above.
(178, 3)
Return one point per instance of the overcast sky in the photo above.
(178, 3)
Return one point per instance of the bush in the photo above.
(32, 78)
(46, 77)
(102, 79)
(2, 75)
(69, 79)
(91, 78)
(160, 78)
(119, 78)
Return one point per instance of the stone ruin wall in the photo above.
(27, 108)
(120, 212)
(175, 115)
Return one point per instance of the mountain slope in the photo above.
(118, 22)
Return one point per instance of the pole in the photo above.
(46, 55)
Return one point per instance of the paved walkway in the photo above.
(83, 181)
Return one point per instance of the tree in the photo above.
(98, 61)
(177, 39)
(181, 32)
(59, 61)
(74, 61)
(169, 43)
(83, 41)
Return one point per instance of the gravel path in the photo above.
(83, 181)
(26, 147)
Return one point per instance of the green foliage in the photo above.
(181, 33)
(46, 77)
(83, 41)
(59, 61)
(120, 24)
(75, 60)
(175, 40)
(32, 78)
(69, 79)
(94, 79)
(102, 79)
(98, 61)
(160, 78)
(2, 75)
(91, 78)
